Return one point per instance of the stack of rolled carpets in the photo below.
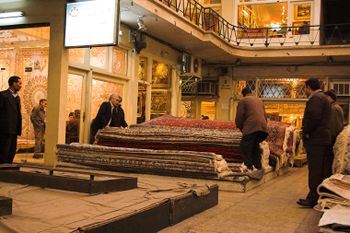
(334, 201)
(334, 190)
(145, 160)
(281, 139)
(169, 120)
(223, 142)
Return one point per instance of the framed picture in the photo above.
(159, 102)
(302, 11)
(161, 74)
(301, 27)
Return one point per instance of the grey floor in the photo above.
(268, 208)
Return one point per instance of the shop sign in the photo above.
(92, 23)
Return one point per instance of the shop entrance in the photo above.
(24, 52)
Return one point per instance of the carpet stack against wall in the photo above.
(146, 160)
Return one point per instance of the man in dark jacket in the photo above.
(110, 113)
(337, 115)
(251, 120)
(10, 119)
(316, 138)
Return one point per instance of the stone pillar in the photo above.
(56, 93)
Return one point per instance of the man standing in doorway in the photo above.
(251, 120)
(38, 120)
(316, 138)
(10, 119)
(110, 113)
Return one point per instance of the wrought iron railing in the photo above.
(209, 20)
(201, 88)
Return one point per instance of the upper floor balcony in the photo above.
(203, 32)
(278, 34)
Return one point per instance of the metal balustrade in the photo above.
(209, 20)
(201, 88)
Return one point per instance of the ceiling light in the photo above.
(11, 14)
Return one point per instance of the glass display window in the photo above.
(291, 113)
(208, 110)
(119, 61)
(77, 55)
(266, 15)
(73, 109)
(98, 57)
(142, 72)
(101, 91)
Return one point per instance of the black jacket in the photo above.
(104, 116)
(10, 113)
(316, 121)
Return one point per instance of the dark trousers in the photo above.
(320, 160)
(250, 149)
(93, 132)
(8, 145)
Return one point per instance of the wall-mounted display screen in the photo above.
(92, 23)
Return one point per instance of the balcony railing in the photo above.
(201, 88)
(209, 20)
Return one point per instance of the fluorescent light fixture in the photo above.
(11, 14)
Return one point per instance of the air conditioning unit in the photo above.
(191, 66)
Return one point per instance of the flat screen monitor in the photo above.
(91, 23)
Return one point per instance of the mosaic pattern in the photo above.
(7, 66)
(34, 83)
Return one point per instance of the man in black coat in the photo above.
(317, 139)
(10, 119)
(110, 113)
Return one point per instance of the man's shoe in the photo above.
(255, 174)
(306, 203)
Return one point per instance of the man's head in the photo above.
(71, 116)
(312, 85)
(115, 100)
(43, 103)
(331, 95)
(246, 91)
(15, 83)
(77, 114)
